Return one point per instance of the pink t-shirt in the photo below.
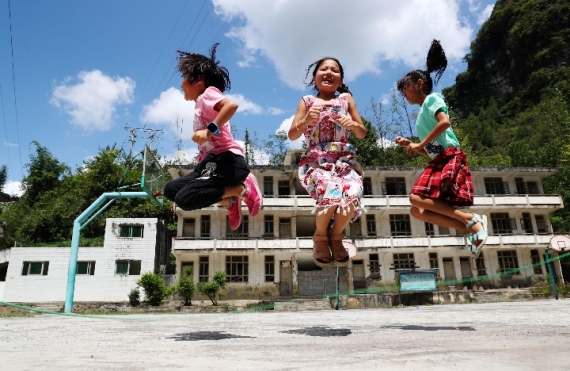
(204, 113)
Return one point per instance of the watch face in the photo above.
(213, 128)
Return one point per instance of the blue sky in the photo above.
(73, 73)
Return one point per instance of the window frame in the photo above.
(90, 269)
(269, 268)
(27, 268)
(400, 225)
(130, 228)
(235, 264)
(132, 266)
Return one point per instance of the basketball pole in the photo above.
(78, 225)
(547, 259)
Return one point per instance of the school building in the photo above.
(271, 255)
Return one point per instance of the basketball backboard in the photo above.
(560, 242)
(153, 177)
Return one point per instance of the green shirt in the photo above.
(426, 121)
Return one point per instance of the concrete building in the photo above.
(271, 255)
(39, 274)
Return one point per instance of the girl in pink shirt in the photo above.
(222, 176)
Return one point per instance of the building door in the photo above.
(358, 277)
(449, 269)
(285, 278)
(466, 271)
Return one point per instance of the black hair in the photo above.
(196, 67)
(341, 89)
(435, 62)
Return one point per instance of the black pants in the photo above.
(206, 184)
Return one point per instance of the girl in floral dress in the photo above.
(328, 169)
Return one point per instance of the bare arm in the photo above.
(355, 124)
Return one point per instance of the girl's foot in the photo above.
(321, 252)
(478, 235)
(339, 253)
(234, 213)
(252, 195)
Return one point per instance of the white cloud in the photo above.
(245, 105)
(285, 125)
(485, 14)
(363, 34)
(275, 111)
(13, 188)
(92, 100)
(6, 143)
(169, 107)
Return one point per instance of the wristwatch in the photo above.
(213, 128)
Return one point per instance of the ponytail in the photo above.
(436, 61)
(343, 89)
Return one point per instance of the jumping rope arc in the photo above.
(265, 307)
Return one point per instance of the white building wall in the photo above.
(104, 285)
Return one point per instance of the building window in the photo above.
(400, 225)
(496, 186)
(131, 231)
(128, 267)
(480, 266)
(268, 226)
(526, 223)
(356, 228)
(35, 268)
(367, 186)
(283, 188)
(535, 258)
(430, 231)
(371, 225)
(268, 186)
(443, 231)
(269, 269)
(394, 187)
(285, 227)
(3, 271)
(237, 268)
(507, 260)
(540, 224)
(188, 227)
(528, 188)
(241, 232)
(87, 268)
(433, 262)
(183, 267)
(204, 269)
(374, 266)
(502, 223)
(205, 226)
(405, 260)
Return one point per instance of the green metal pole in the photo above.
(547, 259)
(337, 284)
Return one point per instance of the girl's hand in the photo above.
(347, 122)
(313, 114)
(402, 142)
(201, 136)
(413, 147)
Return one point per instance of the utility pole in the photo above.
(151, 135)
(133, 136)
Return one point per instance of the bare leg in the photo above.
(341, 221)
(323, 221)
(229, 192)
(438, 219)
(444, 210)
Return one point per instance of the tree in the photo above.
(276, 147)
(186, 285)
(45, 173)
(211, 288)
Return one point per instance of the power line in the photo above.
(14, 83)
(6, 129)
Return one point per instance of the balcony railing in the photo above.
(496, 241)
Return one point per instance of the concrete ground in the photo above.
(484, 337)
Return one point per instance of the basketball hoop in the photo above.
(560, 243)
(351, 249)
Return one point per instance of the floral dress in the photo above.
(328, 170)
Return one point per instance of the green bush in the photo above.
(154, 288)
(186, 285)
(135, 297)
(211, 288)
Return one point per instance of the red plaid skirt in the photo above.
(449, 167)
